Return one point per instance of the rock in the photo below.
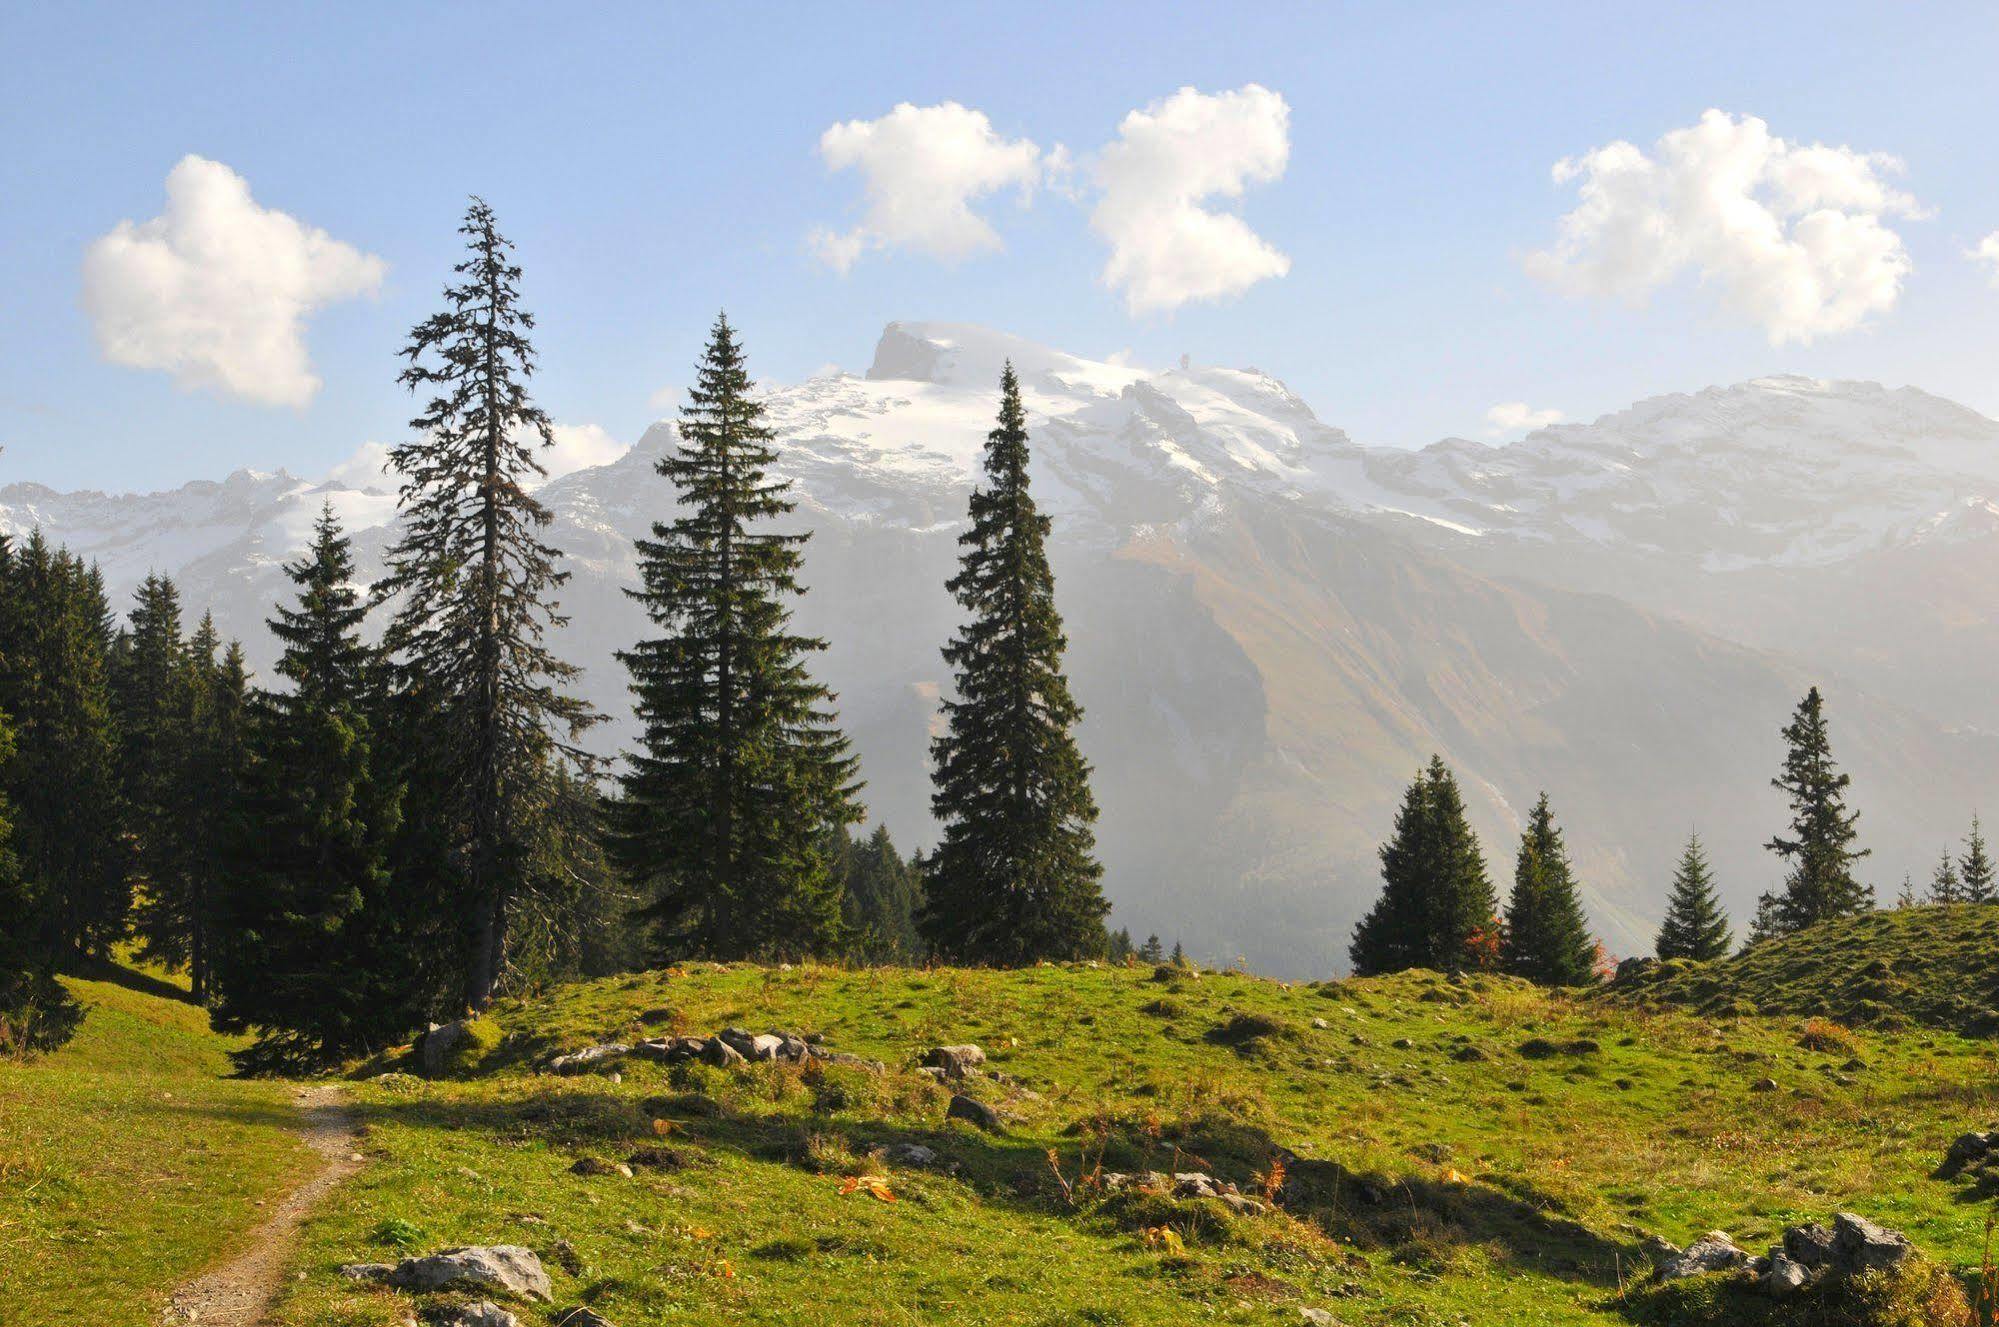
(434, 1047)
(977, 1112)
(1764, 1085)
(1195, 1184)
(505, 1267)
(741, 1042)
(367, 1271)
(1320, 1024)
(1242, 1206)
(1712, 1252)
(848, 1061)
(1317, 1318)
(764, 1047)
(1861, 1246)
(910, 1154)
(720, 1053)
(670, 1050)
(1809, 1246)
(581, 1317)
(599, 1166)
(1967, 1149)
(485, 1313)
(955, 1061)
(1784, 1277)
(589, 1058)
(1659, 1251)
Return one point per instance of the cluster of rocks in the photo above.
(1185, 1185)
(1851, 1245)
(484, 1269)
(725, 1049)
(1971, 1152)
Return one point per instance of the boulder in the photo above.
(979, 1113)
(485, 1313)
(741, 1042)
(581, 1317)
(590, 1058)
(434, 1047)
(1712, 1252)
(367, 1271)
(1809, 1246)
(1784, 1277)
(764, 1047)
(1861, 1246)
(720, 1053)
(503, 1267)
(1317, 1318)
(910, 1154)
(1967, 1150)
(955, 1061)
(670, 1050)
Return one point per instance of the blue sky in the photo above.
(654, 163)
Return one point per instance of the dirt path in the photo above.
(237, 1293)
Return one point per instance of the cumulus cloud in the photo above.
(922, 168)
(1792, 237)
(1987, 252)
(1518, 416)
(1157, 182)
(216, 290)
(575, 447)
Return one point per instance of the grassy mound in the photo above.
(1935, 966)
(1917, 1294)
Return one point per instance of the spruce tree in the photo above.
(1976, 870)
(308, 953)
(155, 692)
(1178, 958)
(1945, 884)
(742, 778)
(1546, 939)
(880, 892)
(1819, 847)
(1015, 877)
(1695, 927)
(473, 584)
(1152, 951)
(1437, 907)
(1907, 897)
(36, 1012)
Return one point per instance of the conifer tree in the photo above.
(63, 780)
(1178, 958)
(312, 951)
(1976, 870)
(1015, 877)
(1819, 847)
(1695, 926)
(1120, 947)
(1945, 884)
(1152, 951)
(1907, 897)
(742, 779)
(1437, 907)
(473, 583)
(36, 1013)
(1546, 938)
(155, 688)
(880, 892)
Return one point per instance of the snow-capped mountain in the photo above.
(1271, 625)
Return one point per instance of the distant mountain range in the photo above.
(1272, 625)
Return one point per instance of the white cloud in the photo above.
(1170, 160)
(216, 289)
(576, 447)
(1518, 416)
(1987, 252)
(923, 167)
(1792, 237)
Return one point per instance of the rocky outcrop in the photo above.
(1851, 1246)
(506, 1268)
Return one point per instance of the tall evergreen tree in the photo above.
(1820, 847)
(155, 724)
(1015, 877)
(1437, 907)
(1975, 869)
(880, 893)
(312, 953)
(1945, 884)
(36, 1013)
(1695, 927)
(473, 583)
(1547, 939)
(63, 779)
(1153, 950)
(742, 775)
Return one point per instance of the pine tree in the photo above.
(36, 1013)
(1819, 848)
(1976, 870)
(1152, 951)
(1907, 897)
(63, 780)
(155, 692)
(473, 583)
(1437, 907)
(880, 892)
(1945, 885)
(1120, 947)
(1015, 877)
(742, 777)
(1546, 938)
(1695, 926)
(311, 952)
(1178, 958)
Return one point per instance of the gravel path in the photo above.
(239, 1292)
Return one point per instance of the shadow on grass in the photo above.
(114, 973)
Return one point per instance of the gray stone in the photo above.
(741, 1042)
(977, 1112)
(670, 1050)
(1784, 1277)
(367, 1271)
(1242, 1206)
(848, 1061)
(581, 1317)
(955, 1061)
(910, 1154)
(1712, 1252)
(763, 1047)
(485, 1313)
(1967, 1149)
(590, 1058)
(1659, 1251)
(434, 1047)
(1764, 1085)
(505, 1267)
(1862, 1246)
(1810, 1246)
(720, 1053)
(1317, 1318)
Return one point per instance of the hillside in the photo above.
(1933, 966)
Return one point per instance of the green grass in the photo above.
(128, 1161)
(1457, 1179)
(1935, 966)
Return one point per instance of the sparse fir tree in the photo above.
(880, 892)
(1975, 869)
(1819, 847)
(1945, 884)
(311, 952)
(742, 777)
(1015, 877)
(1695, 927)
(473, 584)
(1546, 939)
(1178, 958)
(1907, 897)
(1152, 951)
(1120, 948)
(1437, 908)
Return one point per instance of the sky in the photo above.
(218, 223)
